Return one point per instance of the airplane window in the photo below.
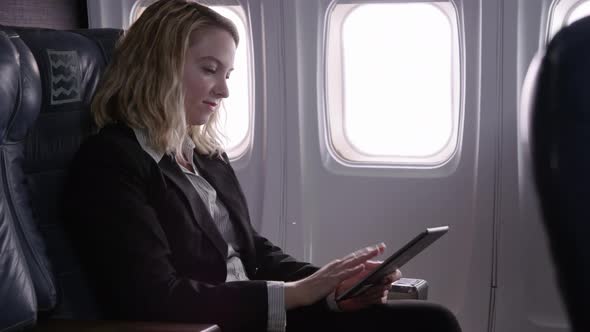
(579, 11)
(236, 119)
(392, 84)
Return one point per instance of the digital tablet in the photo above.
(395, 261)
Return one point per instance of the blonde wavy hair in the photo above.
(142, 86)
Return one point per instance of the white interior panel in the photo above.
(340, 213)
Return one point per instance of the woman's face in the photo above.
(208, 63)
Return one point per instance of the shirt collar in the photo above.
(188, 147)
(141, 136)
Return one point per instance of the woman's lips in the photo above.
(211, 105)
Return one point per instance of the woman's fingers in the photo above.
(347, 273)
(389, 279)
(373, 264)
(365, 254)
(393, 277)
(342, 273)
(362, 255)
(342, 267)
(356, 262)
(397, 275)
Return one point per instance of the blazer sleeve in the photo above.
(126, 251)
(274, 264)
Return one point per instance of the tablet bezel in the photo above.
(395, 261)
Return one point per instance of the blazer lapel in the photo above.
(222, 178)
(197, 206)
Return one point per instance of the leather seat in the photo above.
(47, 80)
(555, 120)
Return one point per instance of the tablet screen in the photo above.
(395, 261)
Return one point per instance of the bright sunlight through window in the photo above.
(397, 97)
(235, 119)
(235, 112)
(580, 11)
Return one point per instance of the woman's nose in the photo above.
(221, 89)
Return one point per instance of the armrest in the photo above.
(409, 289)
(66, 325)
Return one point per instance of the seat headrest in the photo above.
(565, 74)
(20, 88)
(52, 71)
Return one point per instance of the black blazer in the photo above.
(150, 245)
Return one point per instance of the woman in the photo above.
(162, 218)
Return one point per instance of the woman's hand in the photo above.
(318, 285)
(374, 295)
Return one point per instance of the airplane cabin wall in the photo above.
(493, 268)
(52, 14)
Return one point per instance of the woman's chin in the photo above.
(201, 119)
(198, 121)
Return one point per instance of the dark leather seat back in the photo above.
(59, 72)
(558, 126)
(17, 295)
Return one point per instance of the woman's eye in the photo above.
(209, 70)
